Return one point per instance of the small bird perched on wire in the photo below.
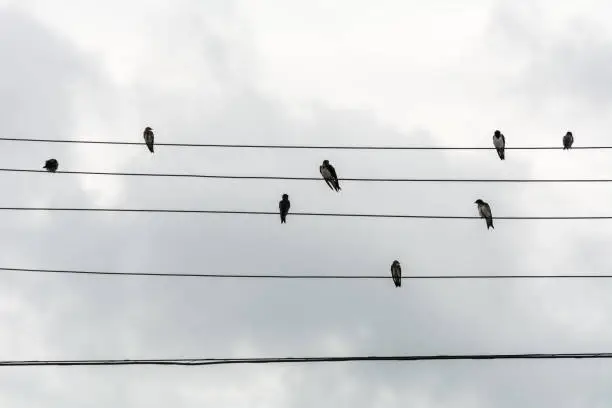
(485, 212)
(149, 137)
(499, 141)
(568, 140)
(396, 273)
(284, 206)
(51, 165)
(329, 175)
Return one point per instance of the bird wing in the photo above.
(396, 273)
(485, 211)
(332, 172)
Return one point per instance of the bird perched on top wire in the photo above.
(568, 140)
(329, 175)
(149, 138)
(499, 141)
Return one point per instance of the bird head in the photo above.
(395, 263)
(326, 162)
(479, 201)
(497, 133)
(148, 128)
(285, 196)
(569, 134)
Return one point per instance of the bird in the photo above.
(148, 137)
(396, 273)
(485, 212)
(568, 140)
(283, 206)
(499, 141)
(51, 165)
(329, 175)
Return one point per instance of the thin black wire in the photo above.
(271, 146)
(294, 360)
(309, 214)
(277, 276)
(226, 177)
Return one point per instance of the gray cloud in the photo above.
(78, 317)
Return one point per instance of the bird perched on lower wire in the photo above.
(499, 141)
(149, 138)
(51, 165)
(284, 206)
(485, 212)
(396, 273)
(329, 175)
(568, 140)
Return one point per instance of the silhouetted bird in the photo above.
(485, 212)
(149, 137)
(51, 165)
(329, 175)
(283, 206)
(568, 140)
(499, 141)
(396, 273)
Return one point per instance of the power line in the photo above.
(308, 214)
(300, 277)
(229, 177)
(302, 360)
(309, 147)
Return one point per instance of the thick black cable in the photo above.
(310, 214)
(229, 177)
(274, 146)
(278, 276)
(301, 360)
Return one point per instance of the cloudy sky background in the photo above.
(288, 72)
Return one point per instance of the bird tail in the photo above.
(283, 218)
(502, 154)
(490, 223)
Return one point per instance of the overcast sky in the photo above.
(389, 72)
